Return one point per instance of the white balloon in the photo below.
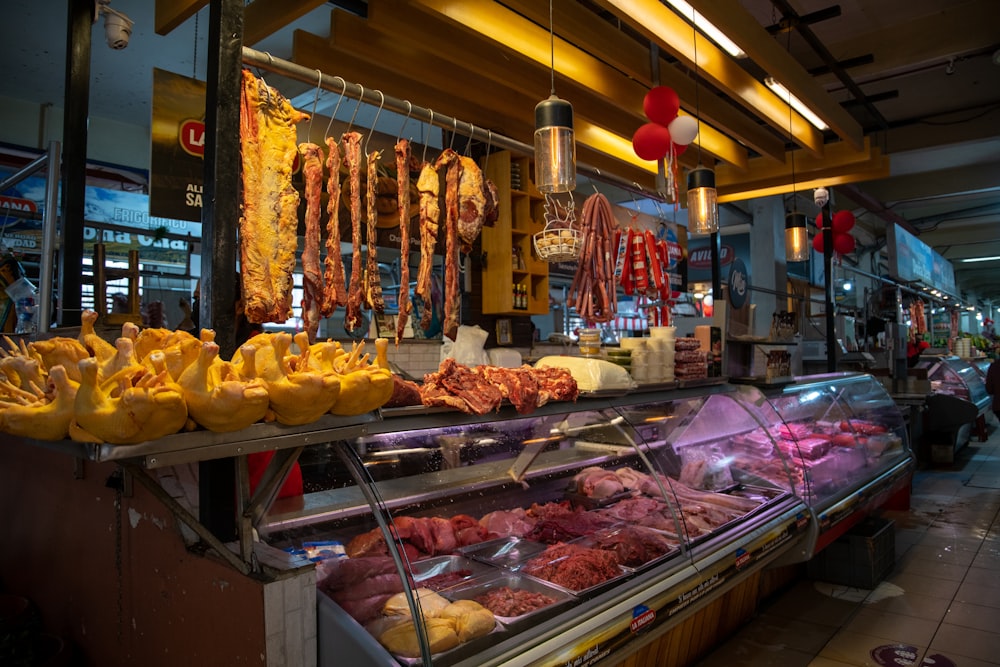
(683, 130)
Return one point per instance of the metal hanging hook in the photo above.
(355, 114)
(468, 145)
(593, 183)
(336, 108)
(409, 110)
(454, 131)
(489, 145)
(374, 122)
(319, 87)
(430, 124)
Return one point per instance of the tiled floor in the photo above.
(939, 607)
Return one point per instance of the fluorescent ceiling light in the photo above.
(980, 259)
(703, 24)
(796, 103)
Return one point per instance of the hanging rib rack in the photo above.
(336, 84)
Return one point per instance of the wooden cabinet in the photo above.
(509, 259)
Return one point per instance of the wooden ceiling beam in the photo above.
(525, 41)
(171, 13)
(631, 58)
(262, 18)
(317, 52)
(660, 24)
(741, 27)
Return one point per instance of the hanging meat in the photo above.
(472, 199)
(452, 295)
(269, 216)
(312, 277)
(373, 281)
(592, 292)
(429, 187)
(334, 289)
(403, 203)
(355, 295)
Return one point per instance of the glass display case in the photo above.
(952, 376)
(561, 524)
(551, 538)
(846, 442)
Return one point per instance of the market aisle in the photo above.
(940, 605)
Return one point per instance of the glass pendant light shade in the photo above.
(796, 237)
(703, 204)
(555, 146)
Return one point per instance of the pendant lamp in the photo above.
(555, 145)
(796, 237)
(703, 204)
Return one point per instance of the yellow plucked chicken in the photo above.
(217, 397)
(94, 344)
(363, 386)
(179, 348)
(48, 417)
(298, 393)
(61, 351)
(141, 407)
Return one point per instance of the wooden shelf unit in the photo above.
(521, 215)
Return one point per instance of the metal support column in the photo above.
(220, 211)
(828, 306)
(76, 111)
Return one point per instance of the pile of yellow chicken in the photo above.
(155, 382)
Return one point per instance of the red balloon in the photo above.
(843, 221)
(661, 104)
(819, 221)
(651, 141)
(677, 149)
(818, 243)
(843, 243)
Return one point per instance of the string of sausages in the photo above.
(593, 291)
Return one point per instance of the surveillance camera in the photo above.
(821, 196)
(117, 26)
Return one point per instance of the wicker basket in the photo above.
(554, 244)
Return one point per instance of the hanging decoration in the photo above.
(666, 136)
(842, 223)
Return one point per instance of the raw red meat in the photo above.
(507, 523)
(632, 509)
(517, 385)
(634, 546)
(404, 392)
(558, 522)
(555, 384)
(458, 386)
(597, 483)
(445, 579)
(574, 567)
(507, 601)
(467, 530)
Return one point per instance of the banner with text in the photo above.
(178, 147)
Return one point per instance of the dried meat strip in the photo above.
(355, 295)
(312, 278)
(403, 203)
(373, 281)
(269, 216)
(452, 295)
(334, 288)
(429, 187)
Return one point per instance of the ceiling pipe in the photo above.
(876, 207)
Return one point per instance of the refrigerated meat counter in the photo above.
(956, 406)
(593, 524)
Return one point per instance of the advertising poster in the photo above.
(178, 147)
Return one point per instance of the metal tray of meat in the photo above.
(763, 495)
(631, 536)
(506, 552)
(440, 572)
(474, 589)
(585, 592)
(595, 503)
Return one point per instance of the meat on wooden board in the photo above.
(312, 278)
(269, 217)
(334, 288)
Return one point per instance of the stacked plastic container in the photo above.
(661, 344)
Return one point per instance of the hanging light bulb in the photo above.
(555, 145)
(703, 203)
(796, 237)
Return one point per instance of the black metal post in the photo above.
(715, 240)
(831, 334)
(76, 110)
(219, 216)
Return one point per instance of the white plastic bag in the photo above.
(468, 348)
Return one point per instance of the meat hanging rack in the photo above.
(336, 84)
